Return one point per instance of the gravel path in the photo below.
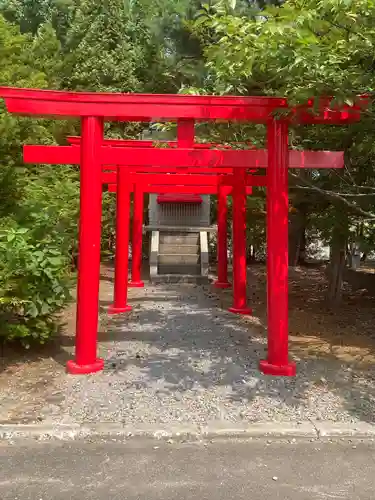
(179, 359)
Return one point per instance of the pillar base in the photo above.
(222, 284)
(288, 370)
(74, 369)
(118, 310)
(136, 284)
(241, 310)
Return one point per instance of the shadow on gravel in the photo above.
(192, 345)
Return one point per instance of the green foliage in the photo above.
(299, 49)
(16, 59)
(302, 49)
(50, 207)
(38, 206)
(31, 15)
(36, 253)
(34, 285)
(101, 56)
(108, 224)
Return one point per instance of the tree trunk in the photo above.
(297, 235)
(250, 254)
(337, 259)
(302, 248)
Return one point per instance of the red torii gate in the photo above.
(143, 184)
(217, 180)
(122, 232)
(94, 108)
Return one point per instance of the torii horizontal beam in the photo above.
(187, 157)
(183, 180)
(148, 107)
(166, 189)
(173, 170)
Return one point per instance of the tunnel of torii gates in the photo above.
(205, 169)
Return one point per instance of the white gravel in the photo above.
(177, 358)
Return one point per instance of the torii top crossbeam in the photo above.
(154, 107)
(94, 108)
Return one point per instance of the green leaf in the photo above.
(45, 309)
(55, 261)
(32, 310)
(53, 251)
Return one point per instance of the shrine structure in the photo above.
(160, 170)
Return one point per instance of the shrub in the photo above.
(34, 285)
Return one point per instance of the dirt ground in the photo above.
(346, 333)
(30, 380)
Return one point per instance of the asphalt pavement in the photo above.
(111, 469)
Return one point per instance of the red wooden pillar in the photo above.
(222, 239)
(239, 243)
(185, 133)
(86, 360)
(120, 304)
(137, 240)
(277, 362)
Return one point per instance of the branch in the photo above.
(344, 195)
(334, 197)
(358, 195)
(366, 188)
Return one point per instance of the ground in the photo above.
(180, 358)
(237, 470)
